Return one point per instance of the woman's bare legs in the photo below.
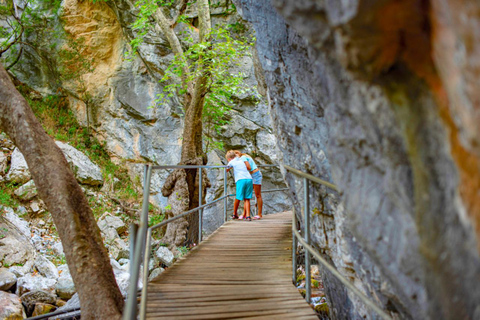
(258, 194)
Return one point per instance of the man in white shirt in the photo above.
(243, 183)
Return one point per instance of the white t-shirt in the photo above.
(239, 169)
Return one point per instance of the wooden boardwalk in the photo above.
(241, 271)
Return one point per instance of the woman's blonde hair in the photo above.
(239, 154)
(230, 154)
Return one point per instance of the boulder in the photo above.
(5, 142)
(73, 303)
(123, 277)
(65, 287)
(86, 172)
(118, 249)
(112, 222)
(11, 307)
(15, 249)
(30, 299)
(31, 283)
(46, 268)
(42, 308)
(155, 273)
(18, 172)
(110, 235)
(19, 223)
(7, 279)
(27, 191)
(165, 256)
(20, 271)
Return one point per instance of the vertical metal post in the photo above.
(306, 210)
(143, 302)
(294, 249)
(133, 237)
(225, 201)
(131, 305)
(200, 212)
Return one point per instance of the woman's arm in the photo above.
(248, 165)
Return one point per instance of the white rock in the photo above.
(110, 235)
(30, 283)
(123, 261)
(46, 267)
(118, 249)
(65, 287)
(58, 248)
(112, 222)
(35, 206)
(155, 273)
(15, 249)
(165, 256)
(27, 191)
(18, 172)
(22, 225)
(85, 170)
(11, 306)
(7, 279)
(20, 271)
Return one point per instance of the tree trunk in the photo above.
(86, 256)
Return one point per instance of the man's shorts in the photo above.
(257, 177)
(244, 189)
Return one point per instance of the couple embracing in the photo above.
(248, 178)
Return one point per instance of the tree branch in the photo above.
(16, 60)
(181, 11)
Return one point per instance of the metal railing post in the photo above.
(133, 237)
(225, 201)
(131, 305)
(306, 210)
(143, 302)
(200, 212)
(294, 250)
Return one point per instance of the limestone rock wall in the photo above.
(123, 92)
(377, 96)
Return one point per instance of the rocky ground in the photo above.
(34, 277)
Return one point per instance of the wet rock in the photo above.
(30, 299)
(86, 172)
(7, 279)
(11, 307)
(18, 172)
(45, 267)
(32, 283)
(165, 256)
(27, 191)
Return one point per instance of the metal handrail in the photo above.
(142, 240)
(296, 236)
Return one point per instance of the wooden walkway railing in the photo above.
(243, 270)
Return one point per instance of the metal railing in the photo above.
(309, 250)
(141, 238)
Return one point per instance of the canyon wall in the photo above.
(378, 97)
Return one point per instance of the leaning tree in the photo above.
(200, 75)
(86, 256)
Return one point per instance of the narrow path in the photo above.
(241, 271)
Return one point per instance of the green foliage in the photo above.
(182, 251)
(6, 198)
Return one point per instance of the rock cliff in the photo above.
(377, 96)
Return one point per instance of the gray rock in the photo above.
(65, 288)
(7, 279)
(110, 235)
(45, 267)
(58, 248)
(85, 170)
(112, 222)
(15, 249)
(20, 271)
(35, 206)
(5, 142)
(30, 299)
(31, 283)
(18, 172)
(165, 256)
(73, 303)
(11, 306)
(22, 225)
(27, 191)
(155, 273)
(3, 163)
(118, 249)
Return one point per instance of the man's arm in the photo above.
(248, 165)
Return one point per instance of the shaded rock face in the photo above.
(378, 98)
